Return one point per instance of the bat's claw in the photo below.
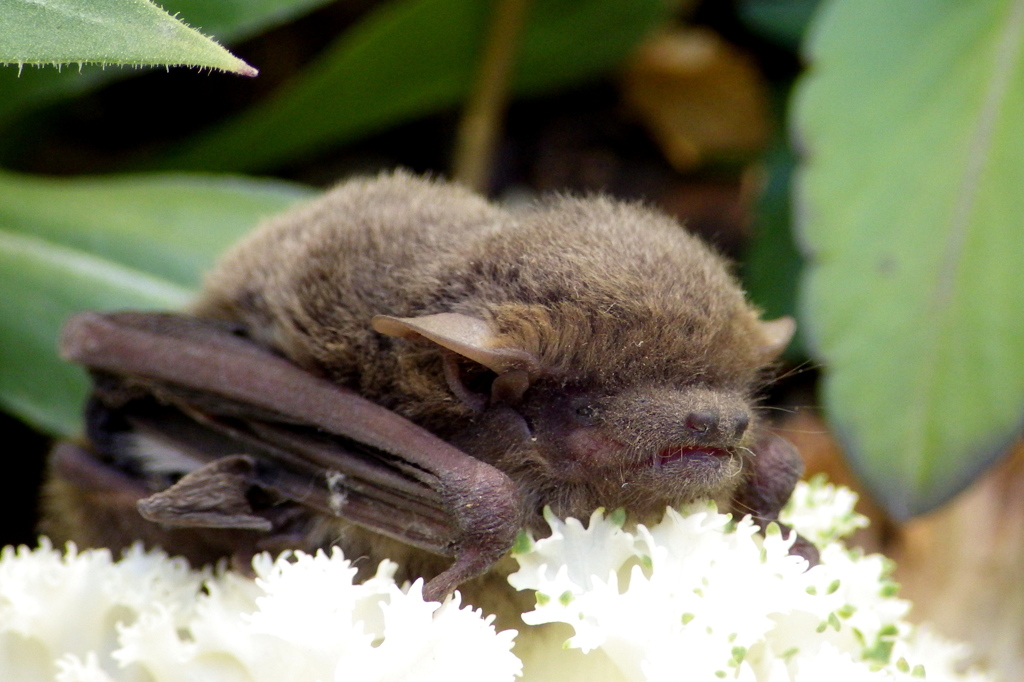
(802, 547)
(467, 565)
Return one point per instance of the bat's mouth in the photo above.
(690, 453)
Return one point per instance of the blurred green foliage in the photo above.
(410, 58)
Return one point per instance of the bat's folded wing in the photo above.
(259, 424)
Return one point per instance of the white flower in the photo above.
(73, 669)
(703, 597)
(823, 512)
(54, 604)
(81, 617)
(700, 596)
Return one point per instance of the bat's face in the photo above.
(657, 423)
(576, 448)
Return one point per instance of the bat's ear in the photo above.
(776, 335)
(468, 336)
(472, 338)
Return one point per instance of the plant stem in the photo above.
(481, 119)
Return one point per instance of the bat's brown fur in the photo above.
(600, 291)
(635, 329)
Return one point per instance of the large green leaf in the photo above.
(414, 57)
(42, 283)
(227, 20)
(105, 32)
(913, 216)
(72, 245)
(171, 226)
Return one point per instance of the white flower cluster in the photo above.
(82, 617)
(701, 597)
(698, 597)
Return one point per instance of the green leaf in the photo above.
(913, 216)
(410, 58)
(781, 21)
(235, 20)
(105, 32)
(228, 20)
(172, 226)
(84, 244)
(43, 283)
(772, 264)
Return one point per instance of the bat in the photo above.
(407, 370)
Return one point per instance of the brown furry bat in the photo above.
(583, 353)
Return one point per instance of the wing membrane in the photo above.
(202, 389)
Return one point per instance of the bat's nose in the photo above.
(712, 425)
(655, 418)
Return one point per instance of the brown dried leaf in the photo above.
(698, 95)
(962, 567)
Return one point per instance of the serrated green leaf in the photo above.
(102, 244)
(411, 58)
(123, 32)
(228, 20)
(912, 213)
